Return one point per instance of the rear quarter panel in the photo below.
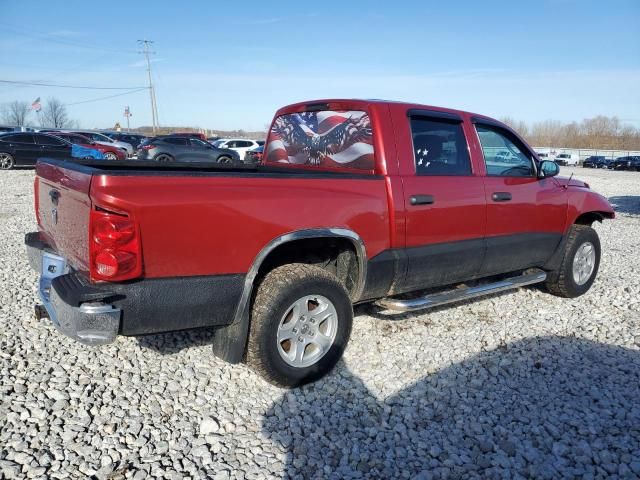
(217, 224)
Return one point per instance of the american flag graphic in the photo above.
(326, 139)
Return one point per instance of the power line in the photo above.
(35, 84)
(107, 97)
(52, 38)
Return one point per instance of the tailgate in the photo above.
(63, 207)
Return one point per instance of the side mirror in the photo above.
(548, 169)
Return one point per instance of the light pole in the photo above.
(152, 95)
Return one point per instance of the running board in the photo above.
(451, 296)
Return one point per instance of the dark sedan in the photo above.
(23, 149)
(171, 148)
(596, 161)
(626, 163)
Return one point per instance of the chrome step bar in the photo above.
(458, 295)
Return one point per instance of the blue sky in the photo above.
(232, 64)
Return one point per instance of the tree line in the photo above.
(601, 132)
(52, 115)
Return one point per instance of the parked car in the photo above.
(626, 163)
(393, 199)
(5, 129)
(596, 161)
(200, 136)
(104, 140)
(254, 155)
(171, 148)
(134, 139)
(23, 149)
(240, 145)
(568, 159)
(110, 152)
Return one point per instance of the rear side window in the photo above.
(439, 147)
(19, 138)
(176, 140)
(322, 139)
(503, 154)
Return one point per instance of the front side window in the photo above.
(199, 143)
(439, 147)
(49, 140)
(327, 138)
(503, 157)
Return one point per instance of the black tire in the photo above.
(562, 282)
(224, 159)
(282, 287)
(6, 161)
(163, 158)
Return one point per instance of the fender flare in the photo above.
(229, 342)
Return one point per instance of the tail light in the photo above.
(114, 246)
(148, 146)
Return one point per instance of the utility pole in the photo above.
(152, 94)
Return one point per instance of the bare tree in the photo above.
(54, 115)
(15, 113)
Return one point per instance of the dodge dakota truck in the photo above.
(409, 206)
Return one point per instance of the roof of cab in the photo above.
(365, 103)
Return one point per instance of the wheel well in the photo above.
(335, 254)
(589, 217)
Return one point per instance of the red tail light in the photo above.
(148, 146)
(114, 246)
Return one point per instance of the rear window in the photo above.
(323, 139)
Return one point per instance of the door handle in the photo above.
(421, 199)
(501, 196)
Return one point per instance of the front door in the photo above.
(51, 147)
(526, 215)
(445, 206)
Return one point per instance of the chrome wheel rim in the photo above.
(307, 331)
(224, 159)
(5, 161)
(110, 156)
(163, 158)
(584, 263)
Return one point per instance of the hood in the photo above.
(573, 183)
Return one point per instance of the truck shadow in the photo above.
(546, 407)
(173, 342)
(626, 204)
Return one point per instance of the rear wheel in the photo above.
(110, 156)
(579, 266)
(163, 158)
(6, 161)
(300, 325)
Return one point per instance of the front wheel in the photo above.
(579, 266)
(6, 161)
(224, 159)
(300, 325)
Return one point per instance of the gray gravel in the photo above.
(519, 385)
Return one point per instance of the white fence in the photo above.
(587, 152)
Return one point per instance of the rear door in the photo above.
(444, 201)
(25, 148)
(179, 147)
(525, 215)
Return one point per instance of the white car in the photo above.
(104, 140)
(568, 159)
(240, 145)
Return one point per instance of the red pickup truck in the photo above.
(354, 201)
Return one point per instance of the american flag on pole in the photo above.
(36, 105)
(326, 138)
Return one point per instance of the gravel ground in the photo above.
(518, 385)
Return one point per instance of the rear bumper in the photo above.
(95, 314)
